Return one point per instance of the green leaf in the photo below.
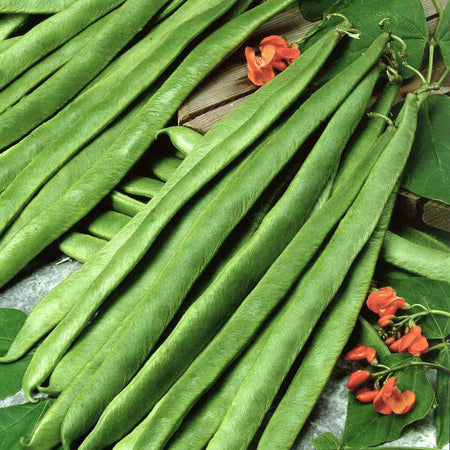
(365, 426)
(11, 320)
(443, 35)
(315, 9)
(18, 421)
(326, 441)
(427, 172)
(370, 338)
(442, 415)
(433, 295)
(406, 18)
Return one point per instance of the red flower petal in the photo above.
(357, 378)
(362, 352)
(365, 395)
(401, 402)
(278, 41)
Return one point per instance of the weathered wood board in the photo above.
(228, 87)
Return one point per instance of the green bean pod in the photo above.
(124, 204)
(236, 280)
(417, 259)
(195, 67)
(420, 238)
(122, 25)
(34, 6)
(141, 186)
(314, 291)
(184, 139)
(49, 65)
(106, 224)
(6, 43)
(80, 246)
(50, 34)
(164, 167)
(10, 22)
(326, 346)
(188, 22)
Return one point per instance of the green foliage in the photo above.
(326, 441)
(428, 170)
(406, 19)
(369, 337)
(443, 35)
(365, 426)
(431, 294)
(18, 421)
(11, 321)
(442, 414)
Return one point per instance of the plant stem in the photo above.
(413, 69)
(438, 346)
(440, 11)
(430, 62)
(414, 364)
(441, 80)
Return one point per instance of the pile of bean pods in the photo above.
(210, 264)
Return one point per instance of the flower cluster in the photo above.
(275, 55)
(387, 399)
(400, 332)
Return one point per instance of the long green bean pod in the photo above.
(50, 64)
(314, 292)
(415, 258)
(193, 69)
(164, 167)
(124, 203)
(50, 34)
(122, 25)
(80, 246)
(327, 344)
(107, 224)
(184, 139)
(141, 186)
(6, 43)
(420, 238)
(34, 6)
(236, 280)
(10, 22)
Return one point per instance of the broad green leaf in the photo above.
(370, 337)
(365, 426)
(406, 18)
(326, 441)
(443, 35)
(442, 415)
(428, 170)
(18, 421)
(11, 320)
(315, 9)
(433, 295)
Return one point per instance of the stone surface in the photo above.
(329, 414)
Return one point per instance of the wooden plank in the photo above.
(229, 82)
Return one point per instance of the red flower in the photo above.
(357, 378)
(413, 341)
(385, 321)
(391, 400)
(365, 395)
(385, 301)
(260, 69)
(276, 54)
(362, 352)
(389, 341)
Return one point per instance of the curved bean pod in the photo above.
(124, 204)
(314, 292)
(184, 139)
(6, 43)
(195, 67)
(80, 246)
(421, 238)
(107, 224)
(189, 21)
(164, 167)
(417, 259)
(142, 186)
(50, 34)
(122, 25)
(236, 280)
(326, 346)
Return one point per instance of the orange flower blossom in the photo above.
(357, 378)
(275, 54)
(385, 302)
(391, 400)
(413, 342)
(362, 352)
